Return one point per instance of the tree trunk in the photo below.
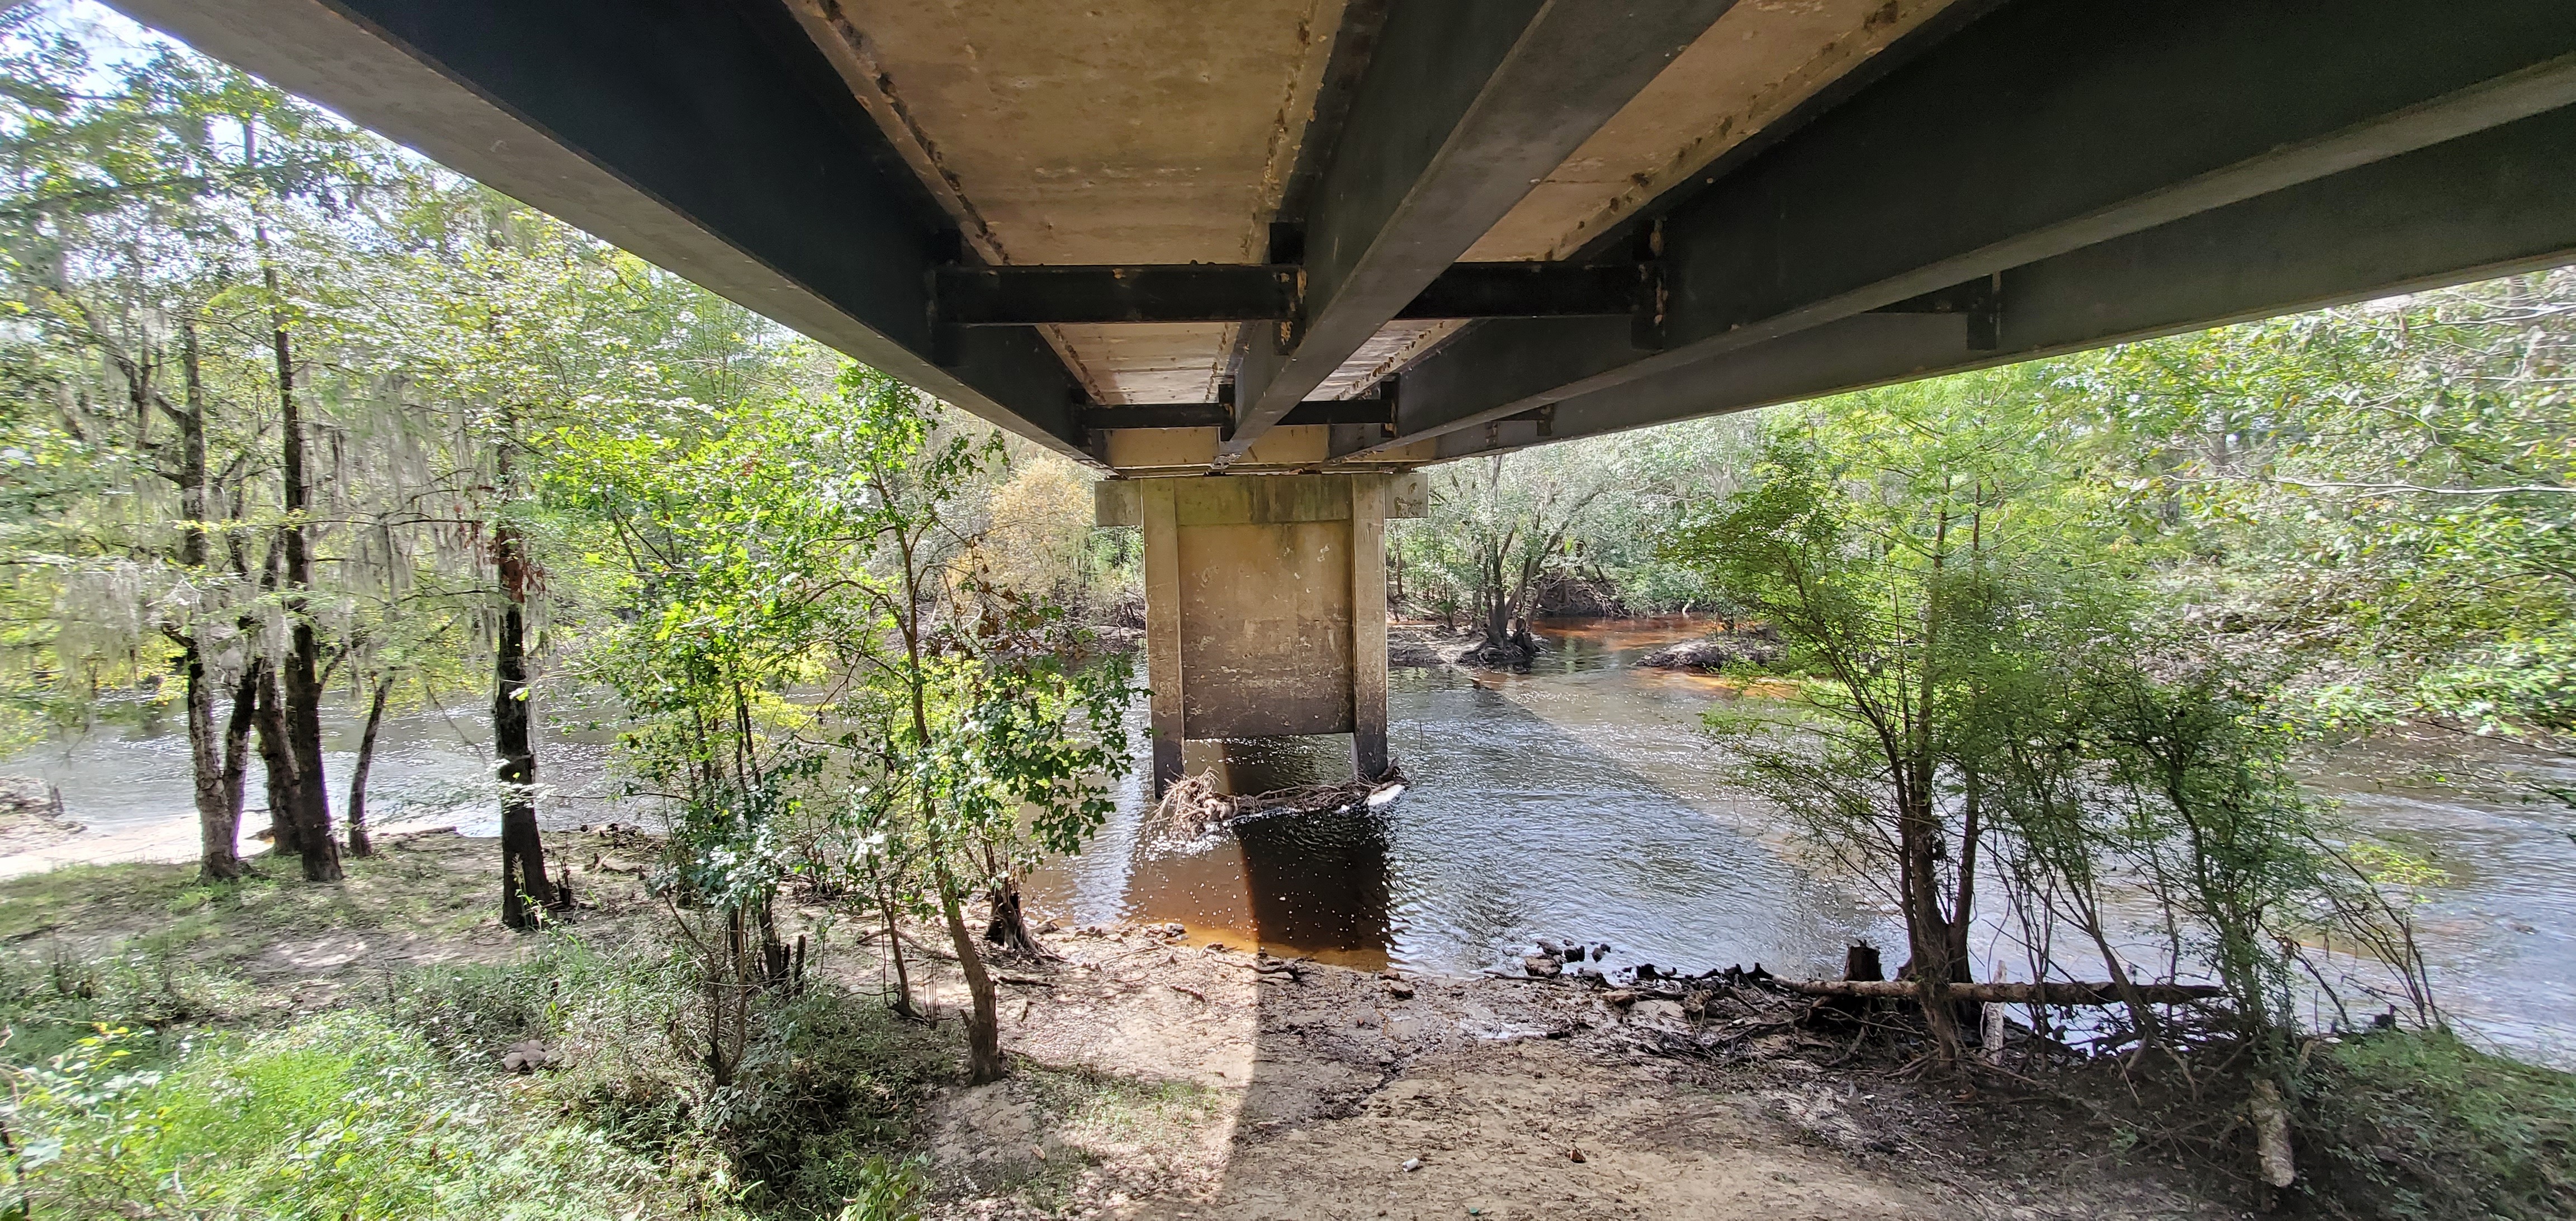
(984, 1060)
(1009, 928)
(894, 944)
(237, 741)
(218, 816)
(1927, 926)
(358, 843)
(303, 682)
(268, 718)
(523, 851)
(218, 821)
(312, 803)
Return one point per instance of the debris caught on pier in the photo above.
(1193, 807)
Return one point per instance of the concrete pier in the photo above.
(1265, 606)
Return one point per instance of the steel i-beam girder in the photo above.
(963, 296)
(1379, 411)
(1465, 104)
(2041, 132)
(2491, 204)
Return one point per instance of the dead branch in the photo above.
(2062, 993)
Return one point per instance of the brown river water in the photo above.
(1575, 802)
(1579, 802)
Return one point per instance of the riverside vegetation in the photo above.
(290, 417)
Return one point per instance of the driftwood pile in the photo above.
(1727, 1014)
(1193, 807)
(1759, 647)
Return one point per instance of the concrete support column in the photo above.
(1368, 626)
(1162, 626)
(1265, 606)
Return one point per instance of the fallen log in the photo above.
(2058, 993)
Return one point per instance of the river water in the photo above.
(1579, 802)
(128, 774)
(1576, 802)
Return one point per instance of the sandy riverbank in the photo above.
(1164, 1077)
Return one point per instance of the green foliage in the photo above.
(2214, 820)
(2383, 490)
(341, 1116)
(52, 998)
(1587, 511)
(1990, 678)
(127, 1105)
(168, 224)
(820, 673)
(806, 625)
(2415, 1126)
(1900, 545)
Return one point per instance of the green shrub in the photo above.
(825, 1094)
(125, 1104)
(51, 999)
(822, 1100)
(340, 1116)
(2405, 1124)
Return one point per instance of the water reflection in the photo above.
(1540, 806)
(131, 770)
(1578, 801)
(1320, 881)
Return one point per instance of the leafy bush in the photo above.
(50, 1000)
(122, 1106)
(822, 1098)
(340, 1116)
(2407, 1124)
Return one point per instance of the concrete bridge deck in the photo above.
(1355, 236)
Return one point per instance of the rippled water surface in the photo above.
(1574, 802)
(131, 772)
(1577, 801)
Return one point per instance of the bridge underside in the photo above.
(1343, 237)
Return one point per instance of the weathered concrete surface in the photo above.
(1120, 502)
(1122, 131)
(1369, 496)
(1264, 607)
(1266, 629)
(1101, 132)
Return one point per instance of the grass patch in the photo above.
(343, 1115)
(133, 1090)
(430, 887)
(53, 998)
(2418, 1125)
(1093, 1108)
(36, 903)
